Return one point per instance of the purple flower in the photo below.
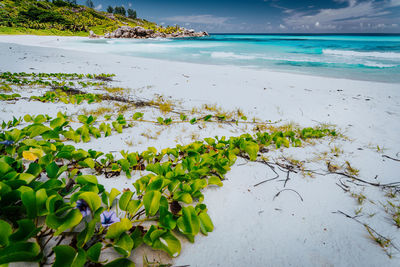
(7, 142)
(108, 218)
(83, 207)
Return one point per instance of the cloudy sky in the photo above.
(270, 16)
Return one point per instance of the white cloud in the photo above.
(282, 26)
(99, 7)
(352, 14)
(199, 19)
(350, 2)
(130, 4)
(394, 3)
(330, 15)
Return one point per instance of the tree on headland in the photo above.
(120, 10)
(132, 14)
(110, 9)
(89, 3)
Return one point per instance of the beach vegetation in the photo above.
(65, 18)
(360, 197)
(351, 170)
(394, 211)
(54, 210)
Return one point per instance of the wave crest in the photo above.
(386, 55)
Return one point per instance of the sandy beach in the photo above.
(253, 226)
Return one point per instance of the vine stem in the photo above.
(146, 219)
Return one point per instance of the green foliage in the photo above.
(62, 18)
(49, 188)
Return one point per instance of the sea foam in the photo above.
(386, 55)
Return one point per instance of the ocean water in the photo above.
(362, 57)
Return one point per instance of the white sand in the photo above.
(252, 229)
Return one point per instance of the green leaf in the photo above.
(93, 253)
(137, 237)
(116, 229)
(113, 194)
(4, 168)
(167, 219)
(29, 200)
(92, 199)
(57, 122)
(82, 118)
(124, 245)
(189, 223)
(151, 201)
(168, 243)
(34, 169)
(252, 149)
(206, 118)
(124, 200)
(26, 230)
(88, 163)
(120, 262)
(206, 224)
(27, 177)
(72, 219)
(20, 252)
(80, 258)
(163, 240)
(214, 180)
(86, 179)
(85, 235)
(137, 115)
(41, 198)
(183, 196)
(52, 170)
(210, 141)
(5, 232)
(37, 129)
(133, 206)
(66, 256)
(27, 118)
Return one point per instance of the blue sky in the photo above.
(269, 16)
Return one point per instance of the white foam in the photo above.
(387, 55)
(230, 55)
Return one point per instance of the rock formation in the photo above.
(142, 33)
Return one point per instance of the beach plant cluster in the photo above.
(60, 128)
(58, 80)
(50, 195)
(53, 210)
(9, 97)
(62, 96)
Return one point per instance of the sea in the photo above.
(372, 57)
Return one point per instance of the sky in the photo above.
(269, 16)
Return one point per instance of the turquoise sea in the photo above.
(362, 57)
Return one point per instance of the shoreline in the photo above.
(252, 227)
(36, 41)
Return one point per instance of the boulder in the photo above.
(126, 34)
(92, 35)
(118, 33)
(149, 32)
(126, 29)
(140, 31)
